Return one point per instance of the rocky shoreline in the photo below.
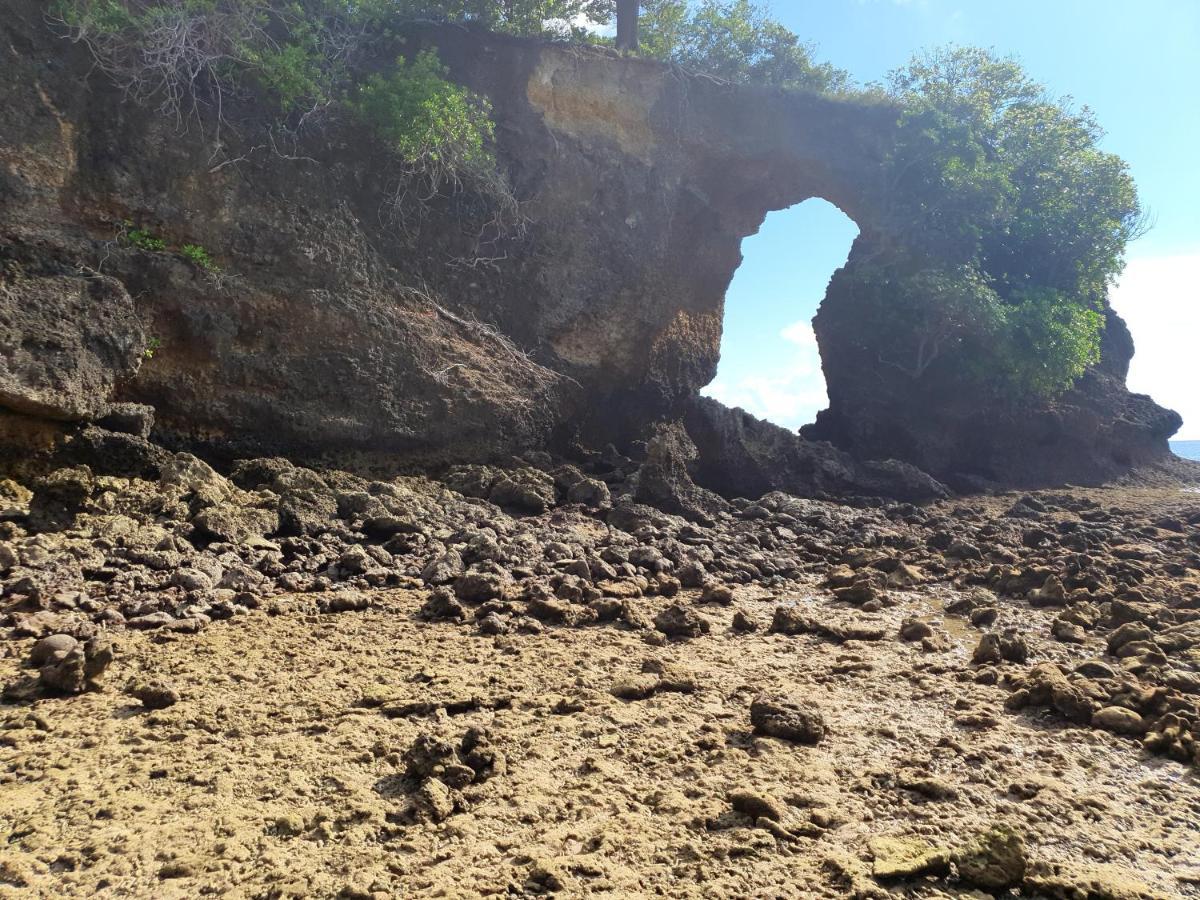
(1072, 612)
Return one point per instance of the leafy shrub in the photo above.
(199, 257)
(1048, 342)
(424, 118)
(307, 57)
(141, 238)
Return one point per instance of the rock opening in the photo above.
(770, 365)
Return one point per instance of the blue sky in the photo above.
(1135, 62)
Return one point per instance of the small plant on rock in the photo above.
(141, 238)
(199, 257)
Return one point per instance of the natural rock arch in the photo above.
(335, 340)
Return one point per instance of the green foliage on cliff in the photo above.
(1008, 221)
(736, 40)
(311, 59)
(423, 116)
(141, 238)
(199, 256)
(917, 315)
(1007, 203)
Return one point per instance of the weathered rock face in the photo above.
(740, 455)
(68, 341)
(332, 333)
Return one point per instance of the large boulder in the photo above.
(743, 456)
(65, 343)
(664, 481)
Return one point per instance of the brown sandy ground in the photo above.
(281, 770)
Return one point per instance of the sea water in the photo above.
(1186, 449)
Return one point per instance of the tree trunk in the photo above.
(627, 24)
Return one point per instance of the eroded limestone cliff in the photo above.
(331, 334)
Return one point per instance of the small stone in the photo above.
(1118, 719)
(289, 825)
(47, 647)
(897, 857)
(433, 802)
(589, 492)
(551, 610)
(99, 654)
(789, 620)
(442, 606)
(717, 593)
(356, 561)
(1046, 685)
(492, 625)
(1051, 593)
(757, 805)
(859, 593)
(477, 587)
(743, 624)
(388, 526)
(444, 568)
(177, 869)
(1094, 668)
(23, 690)
(191, 580)
(915, 630)
(525, 490)
(791, 719)
(428, 755)
(962, 550)
(993, 861)
(984, 616)
(905, 576)
(457, 776)
(995, 647)
(691, 575)
(668, 585)
(64, 672)
(635, 687)
(345, 601)
(1127, 633)
(151, 621)
(154, 694)
(679, 621)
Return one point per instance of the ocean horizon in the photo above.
(1186, 449)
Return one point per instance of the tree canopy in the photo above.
(1002, 191)
(736, 40)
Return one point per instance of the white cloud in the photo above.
(1159, 297)
(800, 333)
(791, 397)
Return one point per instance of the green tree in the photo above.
(990, 174)
(998, 170)
(736, 40)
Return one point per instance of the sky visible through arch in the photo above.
(1135, 62)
